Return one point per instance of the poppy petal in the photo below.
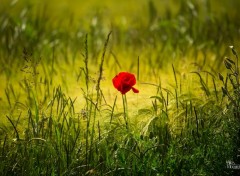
(135, 90)
(124, 81)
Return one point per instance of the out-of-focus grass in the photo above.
(190, 35)
(60, 114)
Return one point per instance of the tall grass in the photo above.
(60, 117)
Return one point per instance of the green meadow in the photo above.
(60, 113)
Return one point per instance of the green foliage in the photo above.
(233, 92)
(58, 116)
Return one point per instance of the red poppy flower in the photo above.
(124, 82)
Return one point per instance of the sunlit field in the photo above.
(137, 87)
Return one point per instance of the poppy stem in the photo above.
(125, 110)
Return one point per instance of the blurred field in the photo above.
(61, 115)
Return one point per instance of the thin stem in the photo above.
(86, 62)
(114, 104)
(125, 110)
